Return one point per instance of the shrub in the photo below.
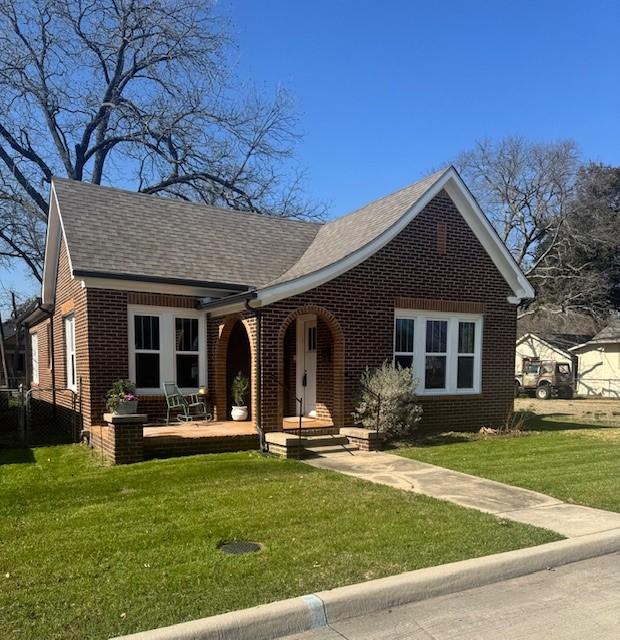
(239, 389)
(399, 412)
(121, 390)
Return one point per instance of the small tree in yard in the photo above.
(388, 399)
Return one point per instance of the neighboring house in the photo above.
(159, 290)
(599, 363)
(549, 346)
(14, 356)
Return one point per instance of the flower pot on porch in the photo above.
(239, 413)
(125, 407)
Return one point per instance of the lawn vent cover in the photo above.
(237, 547)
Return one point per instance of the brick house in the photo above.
(163, 290)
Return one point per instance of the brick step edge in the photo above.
(313, 611)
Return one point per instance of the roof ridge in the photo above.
(438, 173)
(201, 205)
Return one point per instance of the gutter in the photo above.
(259, 372)
(207, 284)
(40, 312)
(206, 304)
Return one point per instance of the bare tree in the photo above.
(138, 93)
(525, 188)
(583, 269)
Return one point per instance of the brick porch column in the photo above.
(123, 441)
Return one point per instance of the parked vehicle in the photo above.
(545, 379)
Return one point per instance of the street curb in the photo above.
(286, 617)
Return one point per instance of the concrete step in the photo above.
(325, 441)
(310, 452)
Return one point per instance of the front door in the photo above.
(306, 364)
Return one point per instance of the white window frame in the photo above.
(34, 348)
(420, 353)
(167, 345)
(70, 356)
(439, 354)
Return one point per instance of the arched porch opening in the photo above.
(311, 366)
(235, 353)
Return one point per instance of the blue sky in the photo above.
(388, 91)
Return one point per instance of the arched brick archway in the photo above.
(337, 356)
(221, 368)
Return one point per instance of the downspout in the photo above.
(259, 373)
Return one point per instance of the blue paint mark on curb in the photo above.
(317, 611)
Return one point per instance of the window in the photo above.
(34, 347)
(466, 357)
(311, 342)
(146, 344)
(443, 350)
(436, 354)
(403, 341)
(50, 338)
(166, 345)
(187, 351)
(69, 326)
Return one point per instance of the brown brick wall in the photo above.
(70, 298)
(460, 277)
(108, 344)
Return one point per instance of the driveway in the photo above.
(502, 500)
(573, 602)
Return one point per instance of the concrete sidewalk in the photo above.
(506, 501)
(573, 602)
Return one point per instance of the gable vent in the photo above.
(442, 238)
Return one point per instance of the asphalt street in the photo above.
(579, 601)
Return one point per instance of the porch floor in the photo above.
(190, 438)
(223, 428)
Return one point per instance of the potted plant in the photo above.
(121, 398)
(239, 392)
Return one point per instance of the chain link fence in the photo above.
(39, 416)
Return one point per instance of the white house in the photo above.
(599, 363)
(555, 346)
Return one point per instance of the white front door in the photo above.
(306, 363)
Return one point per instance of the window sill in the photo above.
(159, 392)
(450, 395)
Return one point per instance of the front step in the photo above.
(325, 441)
(312, 431)
(288, 445)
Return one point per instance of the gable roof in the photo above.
(609, 335)
(565, 340)
(346, 235)
(109, 231)
(560, 342)
(126, 235)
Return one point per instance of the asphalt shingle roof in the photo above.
(343, 236)
(611, 333)
(136, 235)
(565, 340)
(121, 232)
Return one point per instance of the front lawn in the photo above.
(91, 552)
(572, 457)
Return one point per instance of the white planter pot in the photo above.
(126, 407)
(239, 413)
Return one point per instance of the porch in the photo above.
(191, 438)
(301, 365)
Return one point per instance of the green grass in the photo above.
(89, 552)
(574, 461)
